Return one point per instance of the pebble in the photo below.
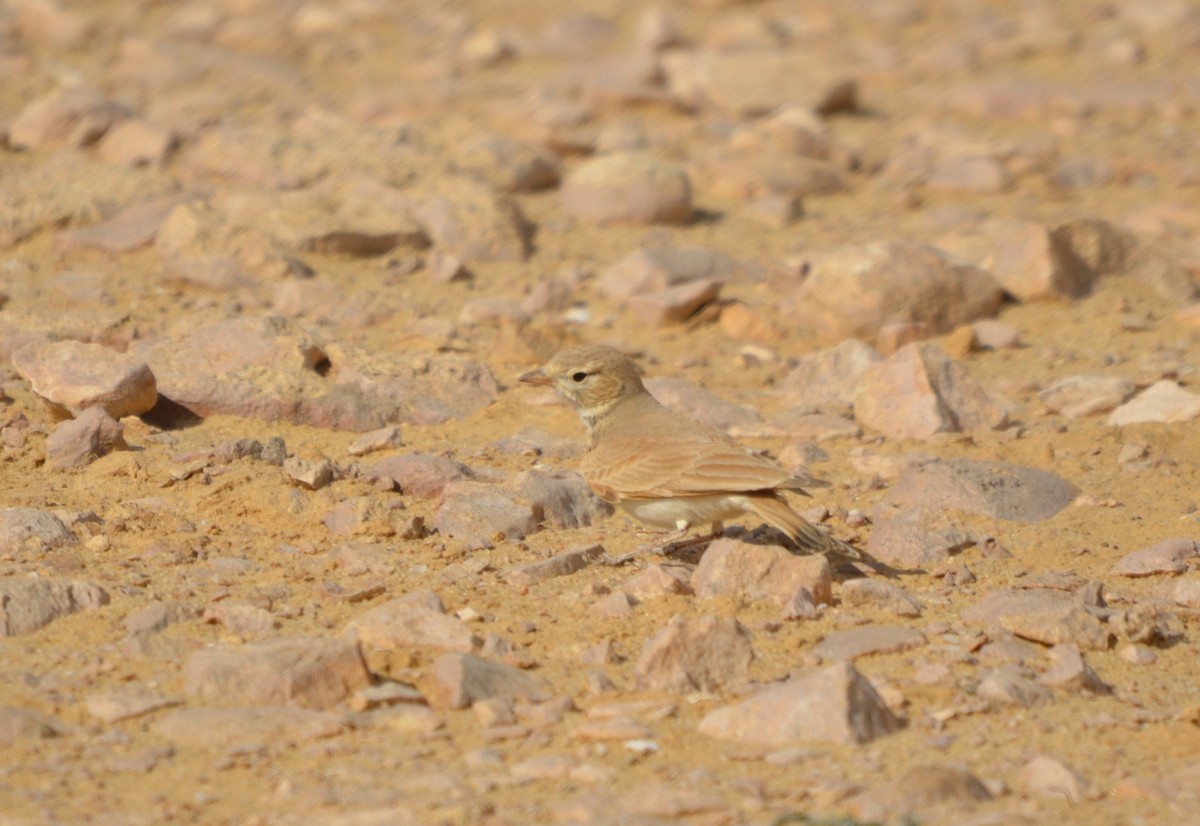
(459, 680)
(1163, 401)
(417, 619)
(1077, 396)
(996, 489)
(627, 188)
(835, 704)
(919, 392)
(828, 380)
(731, 567)
(1050, 777)
(705, 653)
(563, 564)
(311, 672)
(30, 604)
(82, 440)
(886, 595)
(650, 269)
(477, 515)
(674, 305)
(1168, 557)
(872, 639)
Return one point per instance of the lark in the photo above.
(664, 468)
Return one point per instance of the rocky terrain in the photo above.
(283, 541)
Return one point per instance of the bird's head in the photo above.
(593, 378)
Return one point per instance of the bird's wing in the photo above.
(679, 463)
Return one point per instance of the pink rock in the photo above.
(871, 639)
(835, 704)
(877, 592)
(697, 654)
(158, 615)
(1034, 262)
(136, 142)
(921, 391)
(563, 564)
(420, 474)
(70, 117)
(130, 229)
(1050, 777)
(1077, 396)
(995, 489)
(28, 604)
(82, 440)
(854, 291)
(1169, 557)
(309, 671)
(827, 380)
(29, 530)
(381, 439)
(627, 188)
(477, 514)
(458, 680)
(77, 375)
(907, 543)
(731, 567)
(416, 620)
(1163, 401)
(995, 335)
(746, 177)
(618, 605)
(1069, 670)
(1012, 685)
(240, 618)
(674, 305)
(655, 268)
(657, 580)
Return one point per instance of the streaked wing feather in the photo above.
(679, 465)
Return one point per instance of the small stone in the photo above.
(629, 188)
(478, 514)
(27, 604)
(1168, 557)
(114, 706)
(995, 489)
(460, 680)
(382, 439)
(996, 335)
(416, 620)
(1050, 777)
(881, 593)
(309, 474)
(80, 441)
(872, 639)
(69, 117)
(1138, 654)
(828, 380)
(1163, 401)
(674, 305)
(308, 671)
(563, 564)
(655, 268)
(698, 654)
(135, 142)
(919, 392)
(21, 723)
(1012, 685)
(77, 375)
(420, 474)
(835, 704)
(657, 581)
(1078, 396)
(731, 567)
(1069, 670)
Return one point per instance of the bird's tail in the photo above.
(778, 514)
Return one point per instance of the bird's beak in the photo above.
(536, 377)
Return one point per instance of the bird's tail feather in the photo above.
(777, 513)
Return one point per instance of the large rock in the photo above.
(921, 391)
(271, 368)
(78, 375)
(835, 705)
(28, 604)
(308, 671)
(996, 489)
(852, 292)
(628, 188)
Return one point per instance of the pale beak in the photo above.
(536, 377)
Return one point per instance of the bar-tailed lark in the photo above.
(664, 468)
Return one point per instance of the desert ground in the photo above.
(283, 540)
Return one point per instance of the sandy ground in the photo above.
(124, 773)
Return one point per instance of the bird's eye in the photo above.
(578, 377)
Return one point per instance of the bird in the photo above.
(664, 468)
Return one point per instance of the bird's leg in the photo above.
(670, 543)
